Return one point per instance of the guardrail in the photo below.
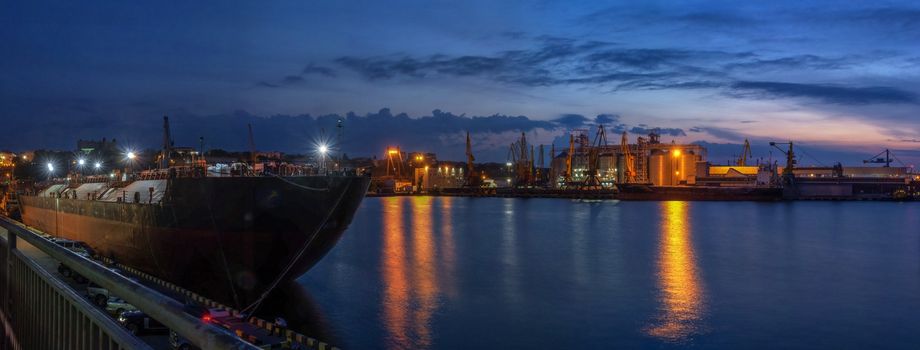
(41, 312)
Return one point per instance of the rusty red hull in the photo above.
(223, 237)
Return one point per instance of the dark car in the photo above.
(138, 322)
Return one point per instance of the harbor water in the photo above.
(456, 273)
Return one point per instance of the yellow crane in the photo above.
(745, 154)
(568, 161)
(629, 174)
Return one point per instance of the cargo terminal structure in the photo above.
(647, 161)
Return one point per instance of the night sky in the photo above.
(839, 77)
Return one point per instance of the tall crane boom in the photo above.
(568, 160)
(745, 153)
(630, 171)
(471, 178)
(879, 160)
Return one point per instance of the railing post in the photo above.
(8, 266)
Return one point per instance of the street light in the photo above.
(81, 161)
(131, 155)
(323, 149)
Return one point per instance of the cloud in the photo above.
(642, 130)
(722, 133)
(812, 62)
(558, 61)
(266, 84)
(318, 70)
(571, 120)
(832, 94)
(606, 119)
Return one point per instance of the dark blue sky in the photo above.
(839, 77)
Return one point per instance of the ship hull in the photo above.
(228, 238)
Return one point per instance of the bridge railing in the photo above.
(38, 311)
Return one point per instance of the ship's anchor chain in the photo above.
(251, 309)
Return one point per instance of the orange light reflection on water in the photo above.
(395, 277)
(424, 269)
(410, 271)
(681, 293)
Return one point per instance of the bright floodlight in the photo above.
(131, 155)
(97, 165)
(323, 149)
(50, 167)
(81, 161)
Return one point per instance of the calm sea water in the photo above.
(452, 273)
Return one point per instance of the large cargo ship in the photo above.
(226, 235)
(212, 234)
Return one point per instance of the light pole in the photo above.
(323, 149)
(50, 170)
(80, 163)
(97, 167)
(130, 157)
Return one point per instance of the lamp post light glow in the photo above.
(131, 155)
(81, 161)
(323, 149)
(50, 168)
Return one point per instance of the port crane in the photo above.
(788, 176)
(745, 154)
(569, 157)
(592, 178)
(522, 162)
(879, 160)
(472, 179)
(394, 162)
(628, 160)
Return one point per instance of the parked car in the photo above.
(116, 306)
(99, 295)
(74, 246)
(138, 322)
(214, 316)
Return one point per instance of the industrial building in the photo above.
(647, 161)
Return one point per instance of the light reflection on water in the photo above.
(412, 288)
(681, 293)
(460, 273)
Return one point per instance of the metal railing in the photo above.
(39, 311)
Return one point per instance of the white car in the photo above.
(116, 306)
